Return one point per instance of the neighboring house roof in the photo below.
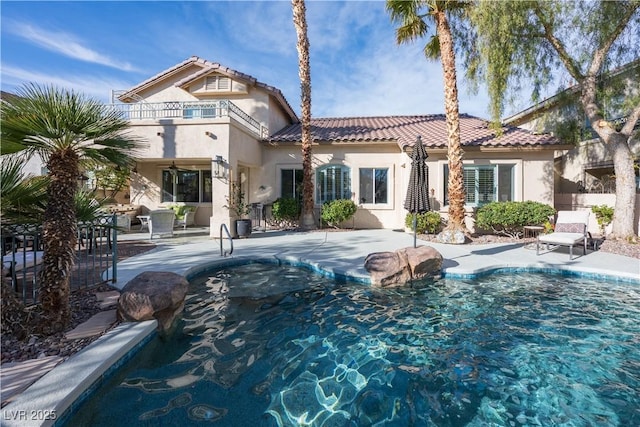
(207, 67)
(546, 104)
(403, 130)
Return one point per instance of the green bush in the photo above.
(508, 218)
(285, 211)
(427, 222)
(604, 215)
(337, 211)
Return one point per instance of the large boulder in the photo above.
(153, 295)
(387, 268)
(403, 265)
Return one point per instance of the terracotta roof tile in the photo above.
(404, 129)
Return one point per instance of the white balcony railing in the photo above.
(189, 110)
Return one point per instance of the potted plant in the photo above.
(604, 216)
(238, 205)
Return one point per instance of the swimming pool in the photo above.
(270, 345)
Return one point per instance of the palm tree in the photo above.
(304, 70)
(412, 16)
(64, 128)
(23, 197)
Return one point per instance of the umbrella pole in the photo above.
(415, 231)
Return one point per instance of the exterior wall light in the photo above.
(218, 167)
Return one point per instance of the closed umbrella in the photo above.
(417, 200)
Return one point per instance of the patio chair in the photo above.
(570, 230)
(185, 216)
(161, 222)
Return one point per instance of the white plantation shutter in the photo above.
(217, 83)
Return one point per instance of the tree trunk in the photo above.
(624, 209)
(617, 144)
(59, 237)
(304, 70)
(456, 191)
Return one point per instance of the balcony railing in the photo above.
(189, 110)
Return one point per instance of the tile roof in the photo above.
(209, 67)
(404, 129)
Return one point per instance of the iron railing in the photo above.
(189, 110)
(96, 256)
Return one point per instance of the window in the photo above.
(332, 183)
(186, 186)
(217, 83)
(373, 185)
(291, 183)
(197, 111)
(485, 183)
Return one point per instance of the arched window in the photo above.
(333, 182)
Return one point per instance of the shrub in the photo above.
(337, 211)
(429, 222)
(285, 211)
(604, 215)
(508, 218)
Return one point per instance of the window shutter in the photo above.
(470, 185)
(224, 83)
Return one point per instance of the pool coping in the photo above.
(55, 394)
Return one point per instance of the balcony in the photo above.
(189, 110)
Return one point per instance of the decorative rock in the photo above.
(402, 266)
(423, 261)
(452, 237)
(150, 295)
(387, 269)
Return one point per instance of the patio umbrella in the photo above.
(417, 200)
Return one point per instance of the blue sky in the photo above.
(357, 69)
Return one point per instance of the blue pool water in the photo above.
(265, 345)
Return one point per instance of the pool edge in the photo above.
(69, 382)
(53, 394)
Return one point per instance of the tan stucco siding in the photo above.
(182, 138)
(278, 119)
(389, 156)
(532, 178)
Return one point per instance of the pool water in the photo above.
(266, 345)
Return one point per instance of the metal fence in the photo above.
(96, 256)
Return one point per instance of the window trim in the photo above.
(344, 170)
(201, 186)
(516, 181)
(372, 205)
(279, 169)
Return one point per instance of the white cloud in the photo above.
(65, 44)
(93, 86)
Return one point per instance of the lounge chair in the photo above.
(161, 222)
(570, 230)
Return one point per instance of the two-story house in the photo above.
(207, 126)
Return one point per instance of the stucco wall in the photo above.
(266, 187)
(584, 201)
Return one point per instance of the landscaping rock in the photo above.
(452, 237)
(387, 269)
(404, 265)
(153, 295)
(423, 261)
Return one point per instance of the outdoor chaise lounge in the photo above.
(570, 230)
(161, 222)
